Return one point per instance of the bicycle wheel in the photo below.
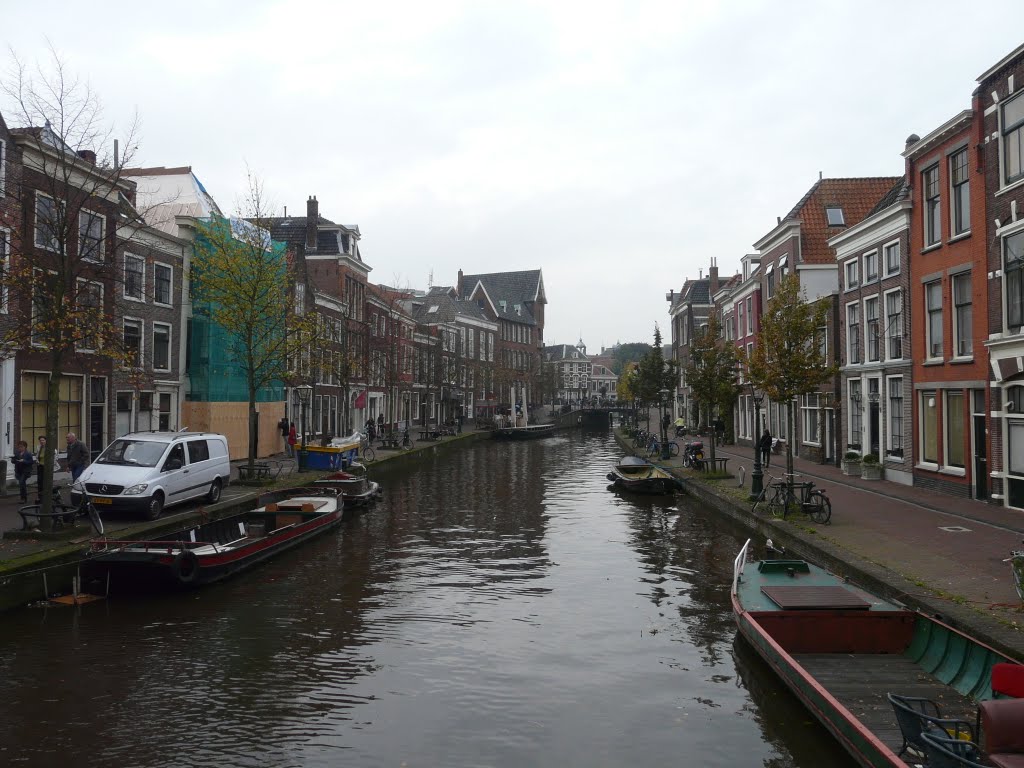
(777, 503)
(819, 508)
(1017, 565)
(673, 448)
(94, 517)
(368, 454)
(760, 499)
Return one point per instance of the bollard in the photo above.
(3, 477)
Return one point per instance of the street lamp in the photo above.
(305, 393)
(757, 476)
(662, 403)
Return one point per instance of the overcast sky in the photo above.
(616, 146)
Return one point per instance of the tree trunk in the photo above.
(253, 427)
(52, 416)
(791, 431)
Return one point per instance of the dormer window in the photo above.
(835, 217)
(432, 309)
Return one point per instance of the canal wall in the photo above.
(874, 576)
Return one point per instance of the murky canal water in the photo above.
(500, 607)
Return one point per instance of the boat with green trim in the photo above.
(841, 650)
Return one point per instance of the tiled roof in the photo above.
(333, 240)
(511, 287)
(900, 191)
(563, 352)
(857, 198)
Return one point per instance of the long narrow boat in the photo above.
(528, 432)
(217, 549)
(841, 650)
(637, 475)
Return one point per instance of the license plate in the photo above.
(101, 500)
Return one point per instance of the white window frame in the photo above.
(5, 256)
(806, 411)
(953, 196)
(170, 347)
(855, 305)
(750, 315)
(1017, 127)
(855, 420)
(92, 216)
(170, 284)
(851, 266)
(82, 282)
(142, 337)
(930, 353)
(922, 404)
(3, 167)
(867, 276)
(868, 301)
(54, 245)
(953, 279)
(893, 331)
(891, 431)
(886, 249)
(300, 299)
(931, 215)
(947, 467)
(142, 278)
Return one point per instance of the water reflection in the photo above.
(499, 607)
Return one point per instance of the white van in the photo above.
(145, 471)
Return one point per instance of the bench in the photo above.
(261, 470)
(391, 442)
(718, 464)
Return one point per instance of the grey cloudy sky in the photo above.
(617, 146)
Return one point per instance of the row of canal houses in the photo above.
(925, 278)
(416, 356)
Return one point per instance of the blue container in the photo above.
(323, 458)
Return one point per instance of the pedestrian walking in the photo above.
(77, 457)
(765, 446)
(283, 426)
(23, 461)
(293, 439)
(42, 457)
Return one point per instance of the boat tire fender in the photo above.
(186, 566)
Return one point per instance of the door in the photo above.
(175, 475)
(875, 423)
(980, 439)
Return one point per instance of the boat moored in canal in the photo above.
(638, 475)
(357, 488)
(528, 432)
(843, 650)
(216, 549)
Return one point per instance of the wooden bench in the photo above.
(261, 470)
(393, 443)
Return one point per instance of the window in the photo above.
(852, 334)
(133, 343)
(960, 200)
(895, 412)
(929, 429)
(3, 168)
(162, 283)
(954, 419)
(871, 267)
(90, 236)
(90, 302)
(855, 413)
(47, 223)
(933, 306)
(894, 324)
(932, 208)
(1012, 114)
(770, 283)
(892, 258)
(810, 419)
(134, 276)
(5, 252)
(962, 324)
(198, 450)
(750, 315)
(739, 311)
(33, 406)
(835, 217)
(161, 347)
(852, 279)
(871, 328)
(300, 299)
(1013, 258)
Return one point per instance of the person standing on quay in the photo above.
(22, 467)
(42, 456)
(77, 457)
(765, 446)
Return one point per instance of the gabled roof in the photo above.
(558, 352)
(857, 197)
(331, 239)
(513, 288)
(900, 191)
(164, 193)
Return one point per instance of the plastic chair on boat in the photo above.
(1008, 680)
(943, 751)
(915, 715)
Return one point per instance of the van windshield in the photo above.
(141, 453)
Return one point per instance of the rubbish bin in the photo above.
(3, 477)
(302, 457)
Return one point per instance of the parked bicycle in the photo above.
(781, 495)
(693, 455)
(366, 452)
(654, 447)
(1016, 561)
(62, 514)
(407, 442)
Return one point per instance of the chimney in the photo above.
(88, 155)
(713, 276)
(458, 286)
(312, 217)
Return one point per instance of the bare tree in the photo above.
(76, 206)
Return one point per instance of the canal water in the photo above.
(499, 607)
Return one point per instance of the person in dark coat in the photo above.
(42, 457)
(765, 446)
(23, 461)
(77, 456)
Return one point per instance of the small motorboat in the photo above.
(638, 475)
(357, 488)
(213, 550)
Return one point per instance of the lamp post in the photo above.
(662, 403)
(757, 476)
(305, 393)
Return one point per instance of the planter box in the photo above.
(871, 471)
(851, 467)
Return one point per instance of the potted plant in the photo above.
(870, 469)
(851, 463)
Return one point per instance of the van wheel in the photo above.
(156, 506)
(213, 496)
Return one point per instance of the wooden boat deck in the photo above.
(861, 681)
